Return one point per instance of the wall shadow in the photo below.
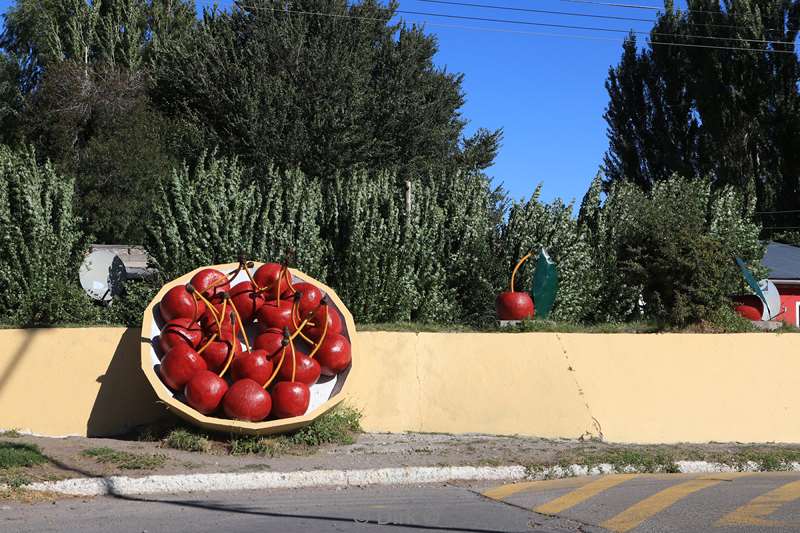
(125, 399)
(16, 359)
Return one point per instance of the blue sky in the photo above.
(546, 92)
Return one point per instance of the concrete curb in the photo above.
(125, 486)
(130, 486)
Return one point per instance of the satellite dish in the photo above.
(102, 275)
(771, 299)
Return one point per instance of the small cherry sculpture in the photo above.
(514, 305)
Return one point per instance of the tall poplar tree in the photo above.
(726, 105)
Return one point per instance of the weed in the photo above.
(337, 426)
(126, 460)
(12, 433)
(14, 480)
(761, 459)
(253, 445)
(187, 440)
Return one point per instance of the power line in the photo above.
(528, 10)
(587, 28)
(574, 14)
(661, 43)
(640, 6)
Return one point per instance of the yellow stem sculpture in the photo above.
(516, 268)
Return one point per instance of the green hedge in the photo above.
(439, 255)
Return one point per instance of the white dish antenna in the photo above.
(772, 299)
(102, 275)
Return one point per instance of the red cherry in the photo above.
(334, 354)
(290, 398)
(204, 391)
(334, 323)
(271, 341)
(246, 300)
(253, 365)
(310, 296)
(179, 303)
(334, 319)
(274, 315)
(216, 354)
(307, 370)
(514, 305)
(210, 324)
(179, 365)
(203, 280)
(267, 275)
(246, 400)
(180, 331)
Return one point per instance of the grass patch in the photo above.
(337, 426)
(550, 326)
(416, 327)
(18, 454)
(11, 434)
(664, 459)
(648, 461)
(187, 440)
(762, 459)
(254, 445)
(125, 460)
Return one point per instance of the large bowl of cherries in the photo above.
(253, 347)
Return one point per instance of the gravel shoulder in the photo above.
(68, 456)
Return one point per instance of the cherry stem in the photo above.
(288, 276)
(278, 286)
(206, 345)
(241, 325)
(231, 348)
(284, 342)
(516, 268)
(324, 329)
(210, 307)
(252, 280)
(294, 360)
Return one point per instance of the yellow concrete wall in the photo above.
(625, 388)
(73, 381)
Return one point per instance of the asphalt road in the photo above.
(724, 503)
(396, 509)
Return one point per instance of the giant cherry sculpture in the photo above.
(271, 377)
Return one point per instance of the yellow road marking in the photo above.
(504, 491)
(638, 513)
(756, 511)
(583, 493)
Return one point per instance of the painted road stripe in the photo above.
(583, 493)
(638, 513)
(755, 512)
(504, 491)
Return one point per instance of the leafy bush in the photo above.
(668, 253)
(41, 245)
(213, 212)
